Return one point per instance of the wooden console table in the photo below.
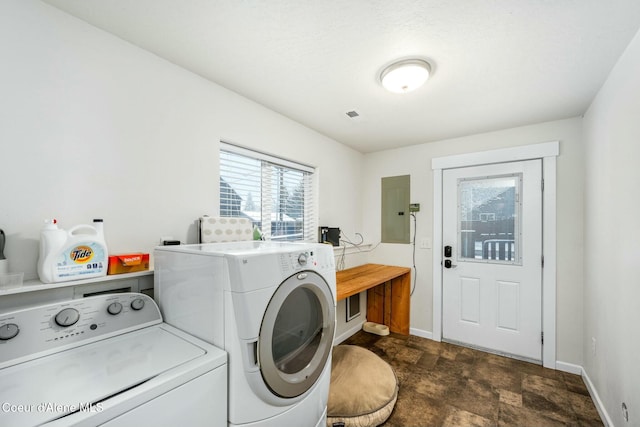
(388, 293)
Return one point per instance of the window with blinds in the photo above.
(275, 194)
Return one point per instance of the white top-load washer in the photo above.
(106, 360)
(271, 306)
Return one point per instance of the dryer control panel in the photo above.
(38, 331)
(318, 257)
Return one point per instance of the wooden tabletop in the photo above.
(357, 279)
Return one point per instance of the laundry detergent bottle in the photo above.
(79, 253)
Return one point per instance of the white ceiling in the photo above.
(496, 63)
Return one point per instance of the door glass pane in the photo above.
(489, 219)
(297, 331)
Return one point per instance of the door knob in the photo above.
(449, 264)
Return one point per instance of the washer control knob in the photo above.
(302, 259)
(137, 304)
(67, 317)
(114, 308)
(8, 331)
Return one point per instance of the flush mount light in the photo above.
(405, 76)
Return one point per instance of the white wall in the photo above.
(416, 161)
(612, 239)
(94, 127)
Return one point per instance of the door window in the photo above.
(489, 217)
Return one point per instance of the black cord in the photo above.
(415, 269)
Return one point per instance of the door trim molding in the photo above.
(548, 152)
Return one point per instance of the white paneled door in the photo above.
(492, 257)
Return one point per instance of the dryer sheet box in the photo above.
(128, 263)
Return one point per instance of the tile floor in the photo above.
(447, 385)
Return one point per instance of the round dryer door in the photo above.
(296, 335)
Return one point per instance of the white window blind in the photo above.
(275, 194)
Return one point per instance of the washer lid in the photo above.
(51, 387)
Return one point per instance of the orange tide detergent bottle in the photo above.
(79, 253)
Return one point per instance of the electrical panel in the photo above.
(395, 209)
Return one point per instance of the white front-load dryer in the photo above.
(271, 306)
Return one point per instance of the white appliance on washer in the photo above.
(106, 360)
(271, 306)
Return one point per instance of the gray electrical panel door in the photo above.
(395, 209)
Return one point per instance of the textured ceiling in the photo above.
(496, 63)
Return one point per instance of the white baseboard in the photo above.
(569, 367)
(579, 370)
(421, 333)
(604, 415)
(349, 332)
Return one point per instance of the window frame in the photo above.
(268, 161)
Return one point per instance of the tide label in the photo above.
(81, 254)
(82, 259)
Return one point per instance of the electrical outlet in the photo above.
(414, 207)
(593, 346)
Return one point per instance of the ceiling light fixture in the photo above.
(405, 76)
